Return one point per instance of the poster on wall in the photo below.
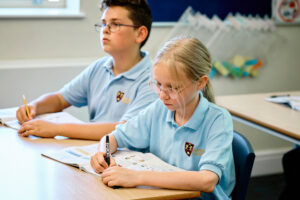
(286, 11)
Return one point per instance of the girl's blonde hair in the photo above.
(194, 60)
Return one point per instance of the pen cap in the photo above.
(107, 139)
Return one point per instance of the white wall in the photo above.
(29, 48)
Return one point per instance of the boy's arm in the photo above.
(48, 103)
(204, 180)
(90, 131)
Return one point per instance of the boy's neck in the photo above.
(124, 62)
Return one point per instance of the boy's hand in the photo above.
(38, 128)
(22, 115)
(119, 176)
(98, 162)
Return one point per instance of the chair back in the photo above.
(244, 156)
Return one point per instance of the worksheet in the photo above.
(79, 156)
(8, 118)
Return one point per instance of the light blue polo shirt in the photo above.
(203, 143)
(111, 98)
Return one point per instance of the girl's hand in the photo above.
(22, 115)
(119, 176)
(38, 128)
(98, 162)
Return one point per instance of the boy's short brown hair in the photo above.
(139, 12)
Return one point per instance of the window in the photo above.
(40, 8)
(32, 3)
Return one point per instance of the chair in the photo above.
(243, 156)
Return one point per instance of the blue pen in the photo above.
(107, 159)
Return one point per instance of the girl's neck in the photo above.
(125, 61)
(182, 116)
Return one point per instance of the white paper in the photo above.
(8, 114)
(142, 161)
(8, 117)
(79, 156)
(292, 101)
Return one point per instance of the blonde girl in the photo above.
(184, 128)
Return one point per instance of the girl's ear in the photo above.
(202, 82)
(142, 34)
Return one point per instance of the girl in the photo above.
(184, 128)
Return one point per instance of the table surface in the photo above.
(25, 174)
(254, 108)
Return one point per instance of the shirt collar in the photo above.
(196, 120)
(136, 70)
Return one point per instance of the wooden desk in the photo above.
(25, 174)
(255, 111)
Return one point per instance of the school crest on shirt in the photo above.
(119, 96)
(188, 148)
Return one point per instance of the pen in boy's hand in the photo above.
(107, 159)
(26, 106)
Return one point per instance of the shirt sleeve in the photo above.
(76, 91)
(145, 96)
(135, 133)
(218, 151)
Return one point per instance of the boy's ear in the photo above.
(142, 34)
(202, 82)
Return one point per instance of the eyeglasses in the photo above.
(170, 91)
(112, 27)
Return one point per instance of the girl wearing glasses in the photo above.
(184, 128)
(115, 88)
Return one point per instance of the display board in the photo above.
(171, 10)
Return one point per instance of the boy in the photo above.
(115, 88)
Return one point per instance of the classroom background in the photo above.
(41, 55)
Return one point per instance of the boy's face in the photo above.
(122, 40)
(184, 92)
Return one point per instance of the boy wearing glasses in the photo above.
(115, 88)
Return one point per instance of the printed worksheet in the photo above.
(142, 161)
(8, 118)
(8, 114)
(79, 156)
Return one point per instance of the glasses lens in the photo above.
(113, 27)
(168, 91)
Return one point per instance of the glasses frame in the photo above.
(171, 92)
(98, 26)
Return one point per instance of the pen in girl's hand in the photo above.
(107, 159)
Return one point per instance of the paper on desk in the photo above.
(142, 161)
(8, 117)
(79, 156)
(8, 114)
(291, 101)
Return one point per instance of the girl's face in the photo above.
(177, 95)
(124, 38)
